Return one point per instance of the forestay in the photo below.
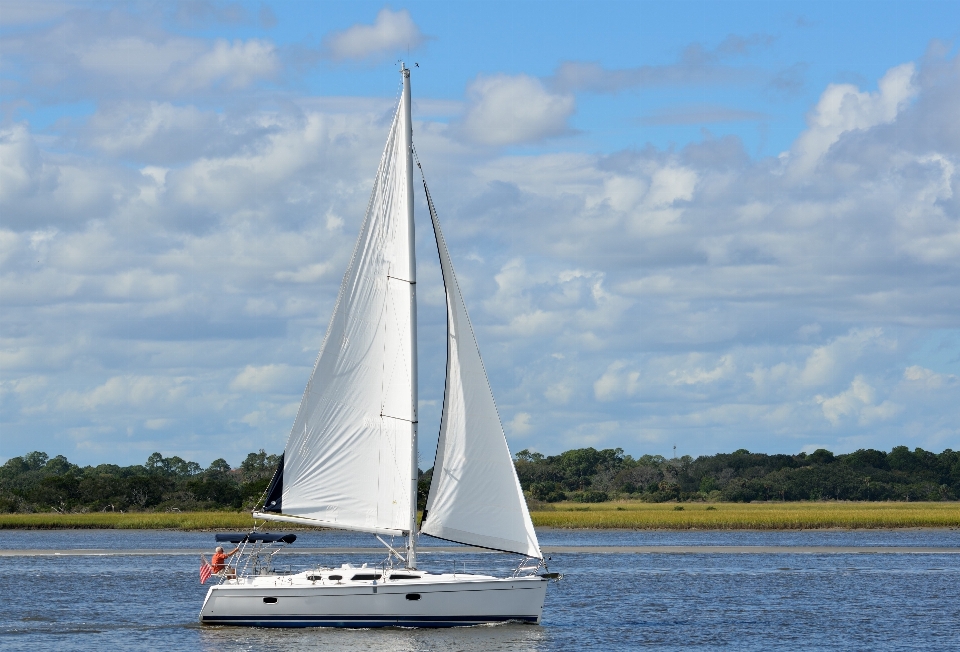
(475, 497)
(347, 460)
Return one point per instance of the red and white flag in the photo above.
(206, 570)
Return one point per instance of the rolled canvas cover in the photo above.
(347, 460)
(475, 497)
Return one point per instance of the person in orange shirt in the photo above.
(219, 557)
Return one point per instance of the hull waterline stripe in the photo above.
(360, 621)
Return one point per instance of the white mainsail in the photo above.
(347, 463)
(475, 497)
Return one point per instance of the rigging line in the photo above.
(413, 149)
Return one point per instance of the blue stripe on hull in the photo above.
(361, 621)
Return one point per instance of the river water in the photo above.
(782, 601)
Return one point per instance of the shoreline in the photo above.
(546, 550)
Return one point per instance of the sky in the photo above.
(679, 227)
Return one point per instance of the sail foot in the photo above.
(312, 522)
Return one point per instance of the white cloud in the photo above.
(512, 301)
(20, 167)
(179, 65)
(25, 385)
(236, 65)
(857, 401)
(510, 110)
(826, 361)
(143, 129)
(307, 274)
(134, 56)
(559, 393)
(616, 382)
(126, 391)
(927, 378)
(669, 185)
(520, 424)
(843, 108)
(699, 375)
(808, 331)
(141, 284)
(90, 54)
(391, 31)
(254, 419)
(264, 378)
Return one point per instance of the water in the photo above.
(121, 539)
(605, 602)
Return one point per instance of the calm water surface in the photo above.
(604, 602)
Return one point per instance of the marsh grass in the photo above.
(752, 516)
(624, 514)
(130, 521)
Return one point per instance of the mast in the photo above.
(408, 163)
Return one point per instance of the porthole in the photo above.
(335, 577)
(413, 596)
(270, 600)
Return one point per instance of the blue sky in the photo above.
(713, 225)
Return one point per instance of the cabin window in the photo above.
(334, 577)
(365, 576)
(314, 578)
(413, 596)
(270, 600)
(402, 576)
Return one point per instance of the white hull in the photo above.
(431, 601)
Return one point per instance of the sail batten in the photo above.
(475, 497)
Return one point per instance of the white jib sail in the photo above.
(475, 497)
(347, 460)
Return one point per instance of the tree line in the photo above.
(37, 482)
(589, 475)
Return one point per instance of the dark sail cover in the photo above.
(255, 537)
(275, 492)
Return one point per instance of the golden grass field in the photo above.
(749, 516)
(629, 515)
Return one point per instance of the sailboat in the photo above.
(350, 462)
